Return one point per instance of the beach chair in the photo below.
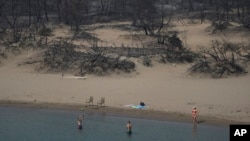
(90, 100)
(101, 102)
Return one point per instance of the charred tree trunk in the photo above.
(46, 10)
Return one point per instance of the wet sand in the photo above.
(121, 112)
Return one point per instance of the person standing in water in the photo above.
(129, 127)
(79, 122)
(194, 115)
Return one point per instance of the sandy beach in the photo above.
(163, 88)
(167, 89)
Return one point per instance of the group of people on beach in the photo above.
(129, 124)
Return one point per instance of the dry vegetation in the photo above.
(222, 58)
(28, 28)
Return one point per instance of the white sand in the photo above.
(162, 87)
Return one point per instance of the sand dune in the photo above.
(163, 87)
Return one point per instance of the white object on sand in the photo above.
(75, 77)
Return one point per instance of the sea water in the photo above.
(30, 124)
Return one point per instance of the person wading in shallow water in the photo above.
(194, 115)
(79, 122)
(129, 127)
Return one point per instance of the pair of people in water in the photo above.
(80, 119)
(194, 115)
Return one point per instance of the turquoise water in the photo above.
(29, 124)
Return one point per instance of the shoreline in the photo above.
(167, 89)
(124, 112)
